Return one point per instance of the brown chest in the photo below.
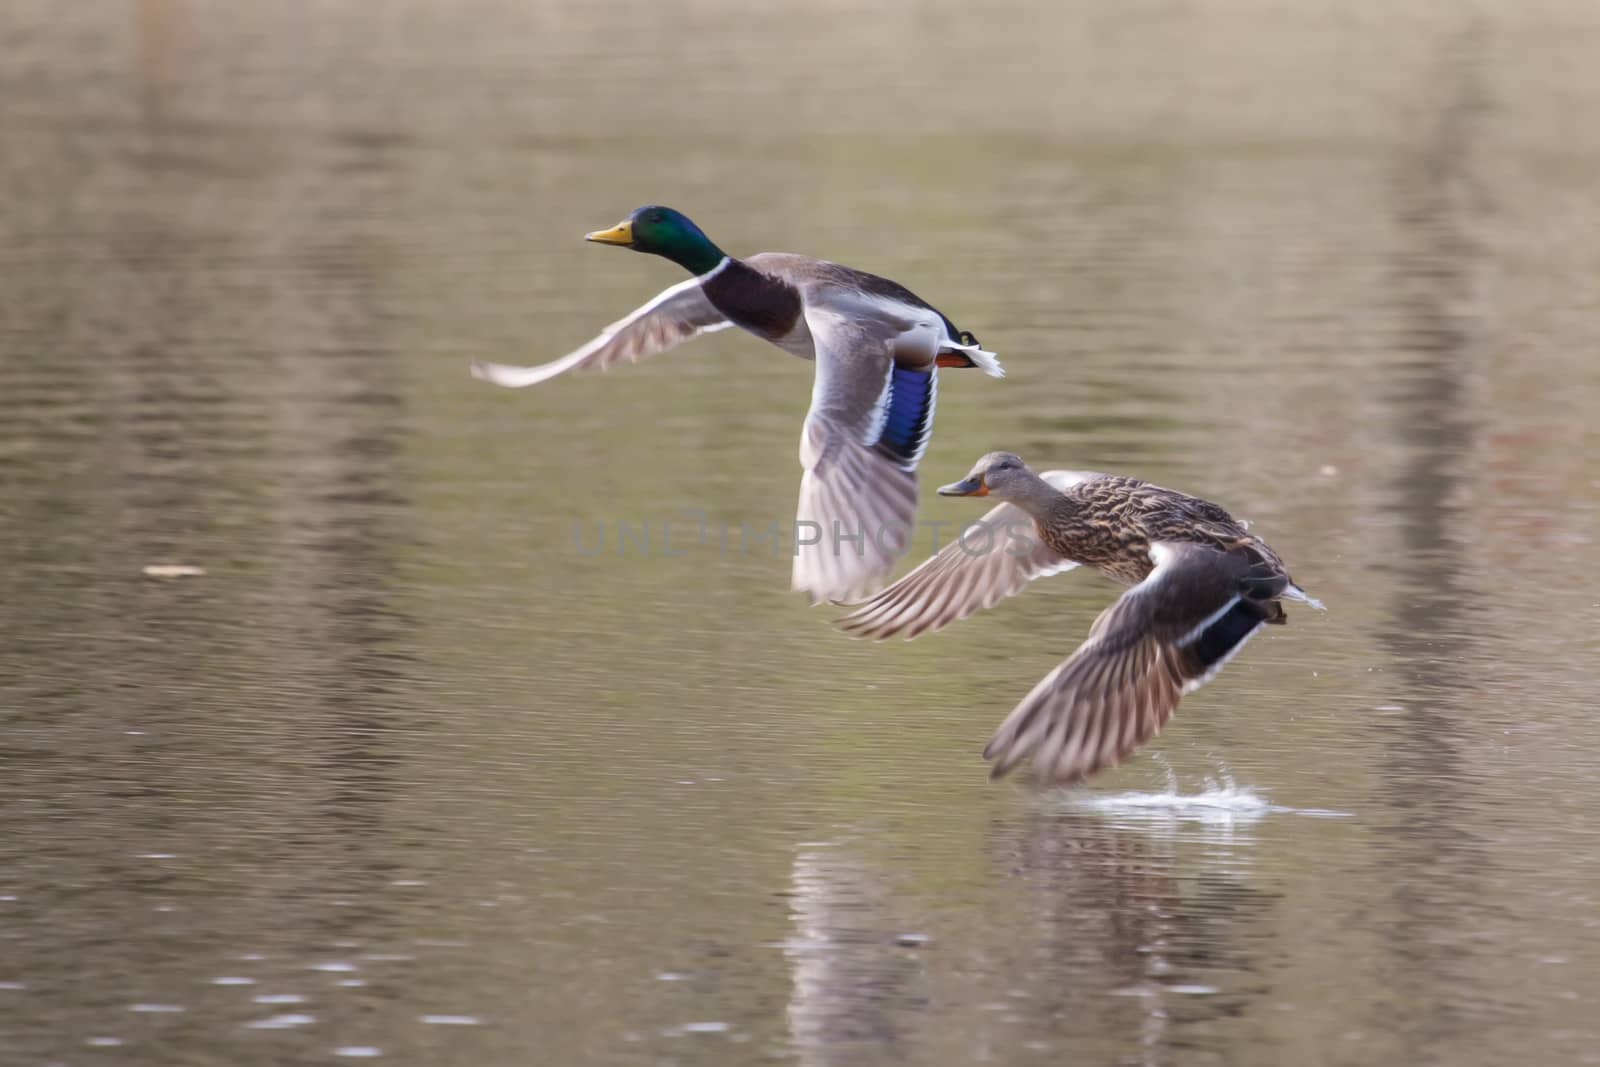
(766, 306)
(1117, 552)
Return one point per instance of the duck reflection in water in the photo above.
(1119, 954)
(1136, 934)
(855, 990)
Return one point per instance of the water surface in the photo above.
(406, 775)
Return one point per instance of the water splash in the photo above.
(1221, 802)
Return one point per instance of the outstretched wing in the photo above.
(994, 558)
(1163, 637)
(869, 423)
(673, 317)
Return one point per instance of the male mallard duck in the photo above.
(877, 345)
(1201, 586)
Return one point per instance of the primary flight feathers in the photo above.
(1199, 584)
(1200, 587)
(878, 348)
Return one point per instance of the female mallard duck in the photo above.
(877, 346)
(1201, 586)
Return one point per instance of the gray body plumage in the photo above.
(858, 491)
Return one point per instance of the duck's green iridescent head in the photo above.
(662, 231)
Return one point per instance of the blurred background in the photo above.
(389, 769)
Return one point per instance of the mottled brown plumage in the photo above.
(1201, 585)
(1110, 522)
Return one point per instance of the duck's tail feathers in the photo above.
(983, 359)
(1294, 592)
